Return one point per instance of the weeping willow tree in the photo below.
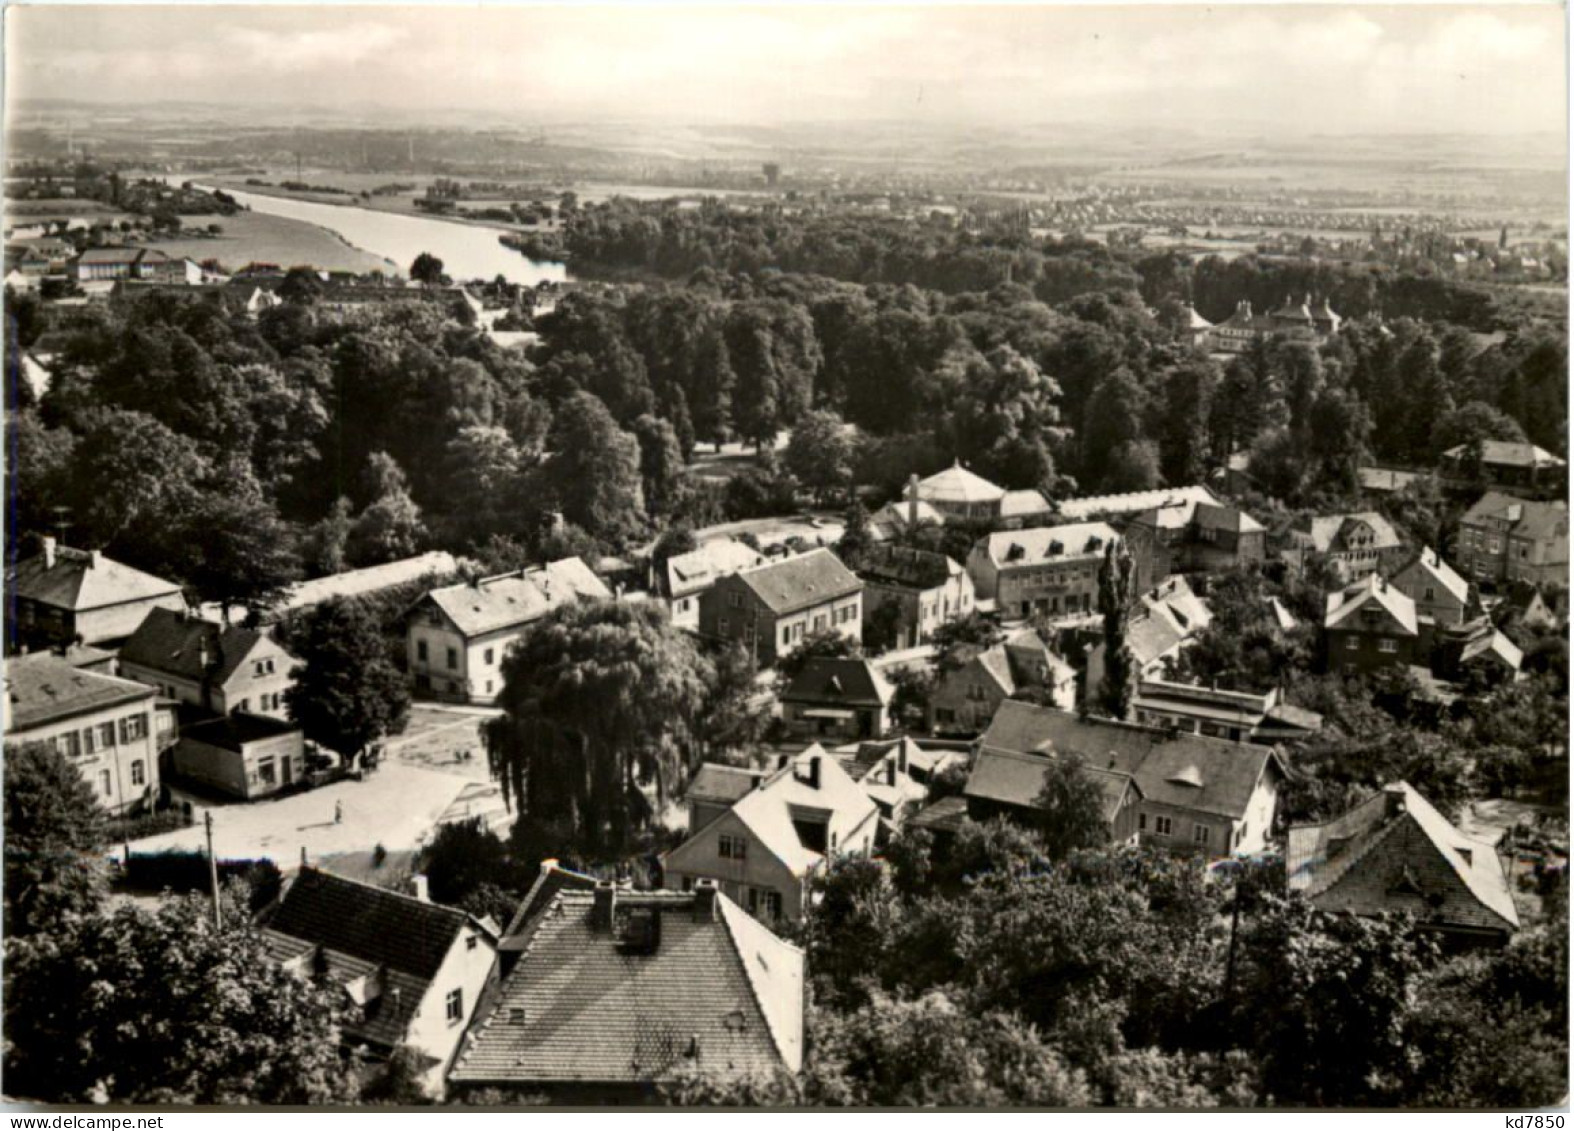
(602, 704)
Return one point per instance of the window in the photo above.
(1494, 546)
(245, 705)
(1351, 644)
(103, 783)
(258, 668)
(489, 655)
(134, 728)
(89, 740)
(453, 659)
(819, 622)
(470, 942)
(787, 635)
(454, 1006)
(1428, 594)
(489, 687)
(735, 600)
(721, 625)
(420, 651)
(732, 847)
(1142, 822)
(68, 744)
(688, 883)
(1386, 645)
(106, 735)
(266, 771)
(1161, 825)
(1199, 834)
(138, 773)
(772, 904)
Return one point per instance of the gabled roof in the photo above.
(551, 879)
(767, 812)
(42, 687)
(1015, 504)
(355, 582)
(1395, 852)
(1207, 775)
(495, 603)
(957, 485)
(1494, 645)
(801, 582)
(1090, 505)
(1526, 518)
(718, 994)
(1008, 777)
(722, 784)
(906, 566)
(1371, 592)
(693, 571)
(1329, 532)
(80, 580)
(896, 514)
(1430, 565)
(839, 680)
(1041, 544)
(177, 644)
(1508, 453)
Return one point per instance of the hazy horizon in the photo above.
(1337, 71)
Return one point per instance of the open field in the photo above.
(250, 237)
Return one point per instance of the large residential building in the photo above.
(218, 667)
(837, 699)
(1302, 320)
(965, 699)
(772, 608)
(927, 590)
(413, 970)
(688, 575)
(1357, 544)
(1370, 625)
(110, 264)
(616, 992)
(764, 849)
(1504, 539)
(1439, 593)
(1167, 618)
(457, 636)
(1051, 570)
(64, 596)
(1191, 793)
(1119, 509)
(1515, 466)
(112, 730)
(1011, 783)
(431, 566)
(1395, 853)
(1187, 536)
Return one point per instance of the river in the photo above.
(467, 251)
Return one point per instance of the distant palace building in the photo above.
(1238, 332)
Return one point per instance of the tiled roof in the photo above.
(495, 603)
(81, 580)
(725, 784)
(355, 582)
(402, 932)
(386, 998)
(1508, 453)
(178, 644)
(551, 879)
(906, 566)
(1204, 774)
(896, 514)
(801, 582)
(1090, 505)
(718, 993)
(956, 484)
(1327, 532)
(1495, 645)
(693, 571)
(1035, 546)
(1153, 635)
(945, 815)
(826, 679)
(1385, 479)
(1371, 591)
(1536, 520)
(1395, 852)
(1428, 562)
(1011, 778)
(1015, 504)
(42, 687)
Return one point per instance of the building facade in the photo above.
(220, 668)
(245, 756)
(772, 608)
(837, 699)
(1370, 626)
(63, 596)
(1505, 539)
(1052, 571)
(927, 590)
(686, 576)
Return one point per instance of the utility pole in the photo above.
(213, 868)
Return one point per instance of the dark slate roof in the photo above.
(42, 687)
(1526, 518)
(370, 923)
(1008, 777)
(173, 642)
(944, 816)
(905, 567)
(1208, 775)
(801, 582)
(719, 993)
(232, 732)
(839, 680)
(724, 784)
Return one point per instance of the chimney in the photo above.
(1395, 800)
(603, 908)
(891, 771)
(901, 755)
(202, 651)
(422, 888)
(49, 552)
(92, 559)
(814, 772)
(912, 501)
(705, 909)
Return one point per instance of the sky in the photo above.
(1304, 67)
